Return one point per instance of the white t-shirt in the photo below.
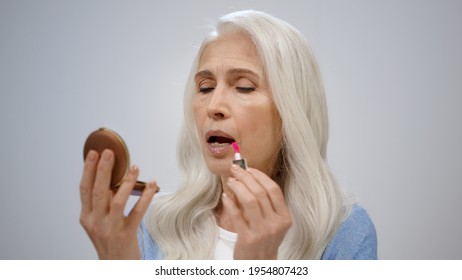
(225, 245)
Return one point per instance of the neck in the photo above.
(222, 215)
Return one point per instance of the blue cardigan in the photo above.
(356, 239)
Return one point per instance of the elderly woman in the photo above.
(254, 82)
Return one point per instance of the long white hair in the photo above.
(183, 224)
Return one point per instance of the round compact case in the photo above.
(104, 138)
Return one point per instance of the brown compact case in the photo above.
(104, 138)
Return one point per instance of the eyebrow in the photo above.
(204, 74)
(231, 72)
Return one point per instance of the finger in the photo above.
(273, 190)
(86, 183)
(235, 213)
(248, 203)
(138, 211)
(100, 196)
(121, 197)
(254, 187)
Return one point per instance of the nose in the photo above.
(218, 107)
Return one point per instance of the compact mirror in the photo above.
(104, 138)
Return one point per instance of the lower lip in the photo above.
(218, 149)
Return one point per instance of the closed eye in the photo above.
(206, 89)
(245, 89)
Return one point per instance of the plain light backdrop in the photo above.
(393, 78)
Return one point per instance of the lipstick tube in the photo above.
(242, 162)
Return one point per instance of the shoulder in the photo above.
(356, 238)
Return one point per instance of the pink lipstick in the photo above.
(242, 162)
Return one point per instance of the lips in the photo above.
(218, 141)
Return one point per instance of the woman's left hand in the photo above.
(259, 213)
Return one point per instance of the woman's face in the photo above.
(233, 102)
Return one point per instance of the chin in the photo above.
(219, 168)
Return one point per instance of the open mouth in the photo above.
(218, 137)
(220, 140)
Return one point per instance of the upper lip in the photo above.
(217, 133)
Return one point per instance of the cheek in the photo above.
(197, 111)
(198, 119)
(260, 125)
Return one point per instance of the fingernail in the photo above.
(107, 155)
(235, 167)
(92, 155)
(134, 169)
(153, 185)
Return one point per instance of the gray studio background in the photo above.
(392, 71)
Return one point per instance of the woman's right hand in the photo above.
(113, 234)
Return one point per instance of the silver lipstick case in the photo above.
(241, 162)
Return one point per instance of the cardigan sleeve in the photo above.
(356, 238)
(148, 248)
